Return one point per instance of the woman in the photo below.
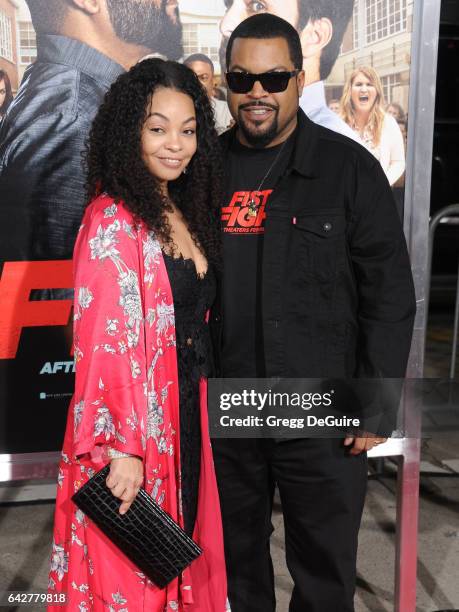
(6, 94)
(362, 108)
(398, 188)
(396, 111)
(144, 264)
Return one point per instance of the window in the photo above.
(384, 18)
(27, 43)
(355, 26)
(388, 83)
(201, 38)
(6, 38)
(190, 38)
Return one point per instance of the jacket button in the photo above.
(327, 226)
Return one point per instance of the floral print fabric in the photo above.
(126, 397)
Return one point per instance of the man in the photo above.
(317, 283)
(83, 45)
(321, 25)
(203, 68)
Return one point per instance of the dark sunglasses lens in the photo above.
(274, 82)
(239, 82)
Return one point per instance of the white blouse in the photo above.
(391, 149)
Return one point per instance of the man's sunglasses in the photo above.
(272, 82)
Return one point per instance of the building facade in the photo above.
(8, 41)
(201, 28)
(379, 35)
(27, 40)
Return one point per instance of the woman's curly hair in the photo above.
(115, 165)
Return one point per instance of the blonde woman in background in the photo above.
(362, 108)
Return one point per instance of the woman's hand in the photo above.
(125, 479)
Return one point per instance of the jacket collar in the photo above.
(305, 156)
(58, 49)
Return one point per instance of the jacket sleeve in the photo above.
(384, 282)
(109, 344)
(43, 186)
(386, 300)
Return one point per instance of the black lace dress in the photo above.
(192, 298)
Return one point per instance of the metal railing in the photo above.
(445, 216)
(407, 453)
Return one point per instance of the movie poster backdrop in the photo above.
(357, 62)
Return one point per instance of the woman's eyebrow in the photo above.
(158, 115)
(167, 119)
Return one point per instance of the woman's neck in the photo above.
(361, 120)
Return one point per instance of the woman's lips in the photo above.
(363, 101)
(170, 162)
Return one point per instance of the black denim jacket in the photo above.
(42, 138)
(337, 291)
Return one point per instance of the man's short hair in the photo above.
(267, 26)
(47, 15)
(339, 12)
(199, 57)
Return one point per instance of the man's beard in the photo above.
(142, 23)
(259, 140)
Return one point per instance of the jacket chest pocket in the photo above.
(321, 244)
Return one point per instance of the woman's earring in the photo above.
(184, 170)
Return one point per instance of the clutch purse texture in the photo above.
(146, 534)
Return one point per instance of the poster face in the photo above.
(357, 67)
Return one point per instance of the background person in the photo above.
(395, 109)
(362, 107)
(397, 112)
(321, 25)
(219, 94)
(203, 68)
(82, 47)
(6, 93)
(398, 187)
(145, 262)
(333, 105)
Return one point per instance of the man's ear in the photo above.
(300, 79)
(315, 36)
(91, 7)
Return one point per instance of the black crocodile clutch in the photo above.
(146, 534)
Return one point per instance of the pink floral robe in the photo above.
(126, 397)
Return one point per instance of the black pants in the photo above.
(322, 489)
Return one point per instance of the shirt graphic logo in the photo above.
(236, 218)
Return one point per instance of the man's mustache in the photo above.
(258, 103)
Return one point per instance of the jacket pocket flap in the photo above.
(326, 225)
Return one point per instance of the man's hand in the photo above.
(125, 479)
(362, 444)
